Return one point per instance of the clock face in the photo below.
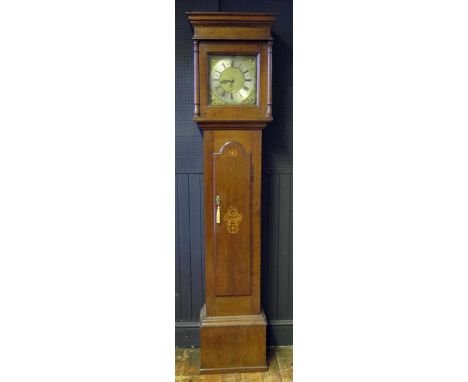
(233, 80)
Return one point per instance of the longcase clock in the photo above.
(232, 97)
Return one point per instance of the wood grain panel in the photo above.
(232, 182)
(230, 33)
(228, 305)
(227, 341)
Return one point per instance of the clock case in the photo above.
(232, 321)
(232, 34)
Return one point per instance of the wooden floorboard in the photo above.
(280, 367)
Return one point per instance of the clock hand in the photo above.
(226, 81)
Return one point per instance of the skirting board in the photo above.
(279, 333)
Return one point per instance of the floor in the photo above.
(279, 359)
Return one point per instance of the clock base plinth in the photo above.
(232, 344)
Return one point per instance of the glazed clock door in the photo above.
(232, 173)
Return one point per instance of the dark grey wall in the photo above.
(276, 186)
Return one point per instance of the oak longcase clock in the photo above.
(232, 97)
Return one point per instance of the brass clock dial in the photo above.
(233, 80)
